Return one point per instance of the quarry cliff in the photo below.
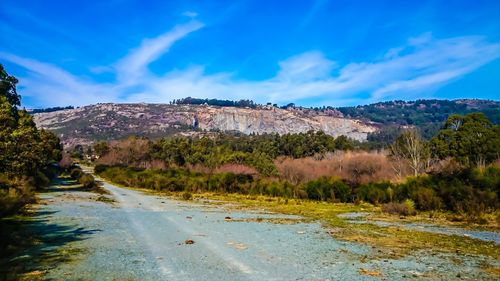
(85, 125)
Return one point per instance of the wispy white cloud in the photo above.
(421, 65)
(134, 65)
(50, 85)
(190, 14)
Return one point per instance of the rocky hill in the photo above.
(108, 121)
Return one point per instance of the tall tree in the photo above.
(411, 147)
(471, 139)
(8, 87)
(25, 151)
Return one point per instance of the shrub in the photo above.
(406, 208)
(41, 180)
(426, 199)
(76, 173)
(236, 169)
(187, 195)
(99, 168)
(410, 206)
(14, 194)
(87, 181)
(375, 193)
(328, 188)
(357, 167)
(367, 167)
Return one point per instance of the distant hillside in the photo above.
(428, 115)
(380, 123)
(87, 124)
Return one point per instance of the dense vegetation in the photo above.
(427, 115)
(474, 191)
(454, 171)
(257, 151)
(26, 153)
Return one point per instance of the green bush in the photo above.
(76, 173)
(87, 181)
(99, 168)
(14, 194)
(328, 188)
(376, 193)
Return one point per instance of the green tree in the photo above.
(8, 88)
(25, 151)
(471, 139)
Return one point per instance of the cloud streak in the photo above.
(134, 65)
(421, 65)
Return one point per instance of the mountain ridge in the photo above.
(88, 124)
(108, 121)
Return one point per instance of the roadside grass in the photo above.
(489, 221)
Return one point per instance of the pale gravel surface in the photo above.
(141, 237)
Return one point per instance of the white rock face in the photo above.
(279, 121)
(113, 121)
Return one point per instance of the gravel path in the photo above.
(143, 237)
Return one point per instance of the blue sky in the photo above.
(322, 52)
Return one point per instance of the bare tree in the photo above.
(411, 147)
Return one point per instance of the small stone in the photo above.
(189, 242)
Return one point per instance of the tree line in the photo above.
(216, 102)
(50, 109)
(27, 154)
(456, 170)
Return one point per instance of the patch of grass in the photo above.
(270, 220)
(396, 241)
(445, 219)
(105, 199)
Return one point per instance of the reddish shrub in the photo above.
(131, 152)
(236, 169)
(357, 167)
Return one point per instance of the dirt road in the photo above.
(141, 236)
